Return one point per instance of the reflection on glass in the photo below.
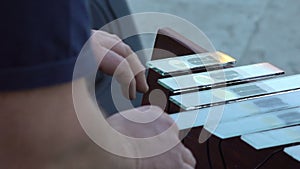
(270, 102)
(178, 64)
(248, 90)
(204, 80)
(184, 64)
(225, 75)
(202, 60)
(224, 94)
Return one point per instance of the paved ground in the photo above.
(252, 31)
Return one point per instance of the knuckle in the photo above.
(123, 72)
(116, 37)
(127, 47)
(98, 34)
(142, 71)
(124, 67)
(127, 51)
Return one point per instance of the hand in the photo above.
(178, 157)
(119, 60)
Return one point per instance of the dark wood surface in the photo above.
(168, 44)
(236, 154)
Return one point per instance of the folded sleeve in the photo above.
(40, 42)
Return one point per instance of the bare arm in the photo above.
(39, 129)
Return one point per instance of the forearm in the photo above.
(40, 129)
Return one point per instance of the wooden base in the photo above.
(236, 153)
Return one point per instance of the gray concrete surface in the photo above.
(251, 31)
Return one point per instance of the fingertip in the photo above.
(142, 84)
(145, 85)
(146, 88)
(188, 156)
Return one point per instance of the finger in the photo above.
(125, 77)
(113, 64)
(186, 166)
(117, 45)
(187, 156)
(135, 64)
(142, 85)
(113, 43)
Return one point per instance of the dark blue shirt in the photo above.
(40, 41)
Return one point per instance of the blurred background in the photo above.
(251, 31)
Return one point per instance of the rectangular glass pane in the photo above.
(238, 110)
(257, 123)
(207, 98)
(204, 80)
(273, 138)
(293, 152)
(184, 64)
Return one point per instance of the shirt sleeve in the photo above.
(40, 41)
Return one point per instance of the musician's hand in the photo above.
(119, 60)
(178, 157)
